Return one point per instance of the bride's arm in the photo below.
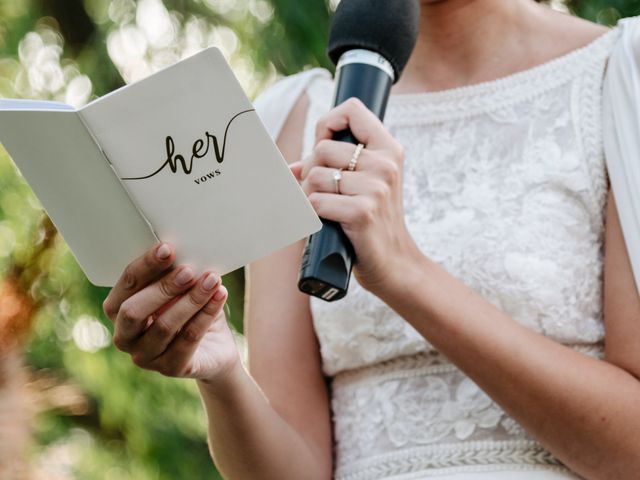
(585, 411)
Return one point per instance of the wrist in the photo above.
(223, 382)
(405, 277)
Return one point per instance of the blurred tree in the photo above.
(607, 12)
(97, 416)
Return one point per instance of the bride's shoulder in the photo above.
(580, 30)
(558, 30)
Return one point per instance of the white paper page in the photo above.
(221, 210)
(38, 105)
(84, 198)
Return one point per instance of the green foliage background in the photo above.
(100, 417)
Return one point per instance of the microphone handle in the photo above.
(328, 255)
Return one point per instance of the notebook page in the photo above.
(20, 104)
(76, 186)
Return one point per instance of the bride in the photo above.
(491, 264)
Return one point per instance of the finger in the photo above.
(133, 315)
(180, 352)
(137, 275)
(349, 211)
(353, 115)
(321, 179)
(165, 327)
(296, 169)
(331, 153)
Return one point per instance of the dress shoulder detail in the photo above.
(621, 124)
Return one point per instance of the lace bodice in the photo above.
(505, 187)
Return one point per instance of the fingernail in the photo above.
(184, 276)
(219, 295)
(210, 281)
(163, 252)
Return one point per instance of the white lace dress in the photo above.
(505, 186)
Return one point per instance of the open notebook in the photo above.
(180, 156)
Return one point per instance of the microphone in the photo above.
(370, 42)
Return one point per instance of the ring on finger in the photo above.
(353, 163)
(337, 176)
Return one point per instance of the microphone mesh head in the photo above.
(387, 27)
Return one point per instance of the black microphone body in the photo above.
(371, 42)
(328, 257)
(368, 83)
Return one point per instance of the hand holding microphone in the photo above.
(369, 205)
(371, 41)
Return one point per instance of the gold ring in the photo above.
(337, 176)
(354, 159)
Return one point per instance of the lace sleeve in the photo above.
(621, 134)
(276, 102)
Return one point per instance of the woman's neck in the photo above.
(464, 42)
